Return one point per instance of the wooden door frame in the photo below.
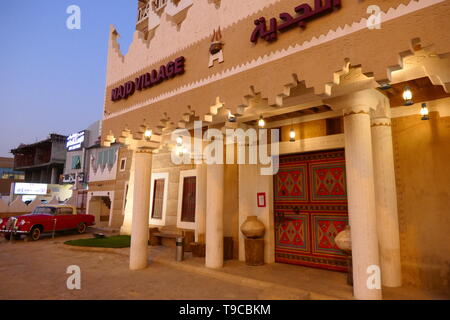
(182, 224)
(157, 176)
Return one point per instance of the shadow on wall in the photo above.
(422, 150)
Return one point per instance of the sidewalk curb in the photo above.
(265, 286)
(93, 249)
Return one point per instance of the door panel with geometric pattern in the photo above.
(310, 203)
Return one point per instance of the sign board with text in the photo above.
(30, 188)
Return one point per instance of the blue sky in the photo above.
(52, 79)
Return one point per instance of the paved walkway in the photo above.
(37, 270)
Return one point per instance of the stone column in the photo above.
(361, 199)
(386, 202)
(141, 203)
(214, 216)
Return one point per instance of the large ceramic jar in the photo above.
(253, 228)
(343, 240)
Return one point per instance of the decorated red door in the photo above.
(310, 203)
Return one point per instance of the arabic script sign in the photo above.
(304, 14)
(149, 79)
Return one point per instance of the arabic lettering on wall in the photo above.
(304, 14)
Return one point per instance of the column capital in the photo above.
(359, 102)
(381, 121)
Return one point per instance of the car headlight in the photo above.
(22, 222)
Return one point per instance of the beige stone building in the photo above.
(360, 94)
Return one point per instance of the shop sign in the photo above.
(72, 177)
(304, 14)
(69, 178)
(75, 141)
(149, 79)
(30, 188)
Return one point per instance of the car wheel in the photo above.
(81, 228)
(35, 234)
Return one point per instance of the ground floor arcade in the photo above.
(393, 156)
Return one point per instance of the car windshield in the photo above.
(44, 210)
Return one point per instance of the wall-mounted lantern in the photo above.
(424, 112)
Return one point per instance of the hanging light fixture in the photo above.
(407, 96)
(292, 135)
(424, 112)
(180, 148)
(179, 141)
(148, 133)
(261, 122)
(231, 117)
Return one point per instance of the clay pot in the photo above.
(343, 240)
(253, 228)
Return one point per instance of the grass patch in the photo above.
(108, 242)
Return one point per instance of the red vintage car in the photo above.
(46, 219)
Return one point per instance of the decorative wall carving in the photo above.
(216, 48)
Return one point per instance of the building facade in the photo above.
(43, 161)
(76, 169)
(359, 95)
(108, 177)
